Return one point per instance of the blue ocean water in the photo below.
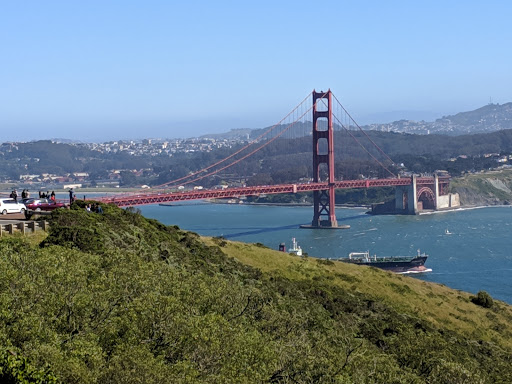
(475, 255)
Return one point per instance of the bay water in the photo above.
(469, 249)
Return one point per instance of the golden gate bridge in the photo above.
(317, 121)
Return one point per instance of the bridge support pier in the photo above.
(323, 204)
(405, 198)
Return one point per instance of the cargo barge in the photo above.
(397, 264)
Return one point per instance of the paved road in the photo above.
(12, 218)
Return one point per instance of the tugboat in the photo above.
(397, 264)
(295, 248)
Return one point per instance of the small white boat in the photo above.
(447, 232)
(295, 248)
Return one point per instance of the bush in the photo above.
(483, 299)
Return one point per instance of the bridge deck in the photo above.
(155, 198)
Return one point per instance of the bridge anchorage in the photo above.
(422, 194)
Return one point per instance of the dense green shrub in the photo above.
(483, 299)
(118, 298)
(16, 369)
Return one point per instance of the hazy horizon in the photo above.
(195, 129)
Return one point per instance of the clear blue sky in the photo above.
(102, 70)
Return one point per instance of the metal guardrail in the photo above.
(23, 227)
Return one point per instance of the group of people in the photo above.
(25, 194)
(47, 195)
(94, 208)
(14, 194)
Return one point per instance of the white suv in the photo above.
(11, 206)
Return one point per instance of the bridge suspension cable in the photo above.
(253, 151)
(189, 178)
(362, 146)
(346, 128)
(360, 129)
(298, 118)
(183, 180)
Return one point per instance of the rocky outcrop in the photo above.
(493, 188)
(470, 197)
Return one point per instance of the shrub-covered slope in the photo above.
(122, 299)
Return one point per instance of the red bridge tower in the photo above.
(324, 215)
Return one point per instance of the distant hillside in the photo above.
(251, 134)
(234, 134)
(489, 188)
(490, 118)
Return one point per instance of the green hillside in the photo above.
(484, 118)
(118, 298)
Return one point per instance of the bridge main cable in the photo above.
(357, 141)
(254, 151)
(362, 146)
(357, 125)
(170, 183)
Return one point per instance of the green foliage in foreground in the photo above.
(119, 298)
(16, 369)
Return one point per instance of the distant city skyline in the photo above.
(98, 71)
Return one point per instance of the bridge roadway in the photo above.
(155, 198)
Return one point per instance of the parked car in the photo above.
(24, 201)
(11, 206)
(39, 205)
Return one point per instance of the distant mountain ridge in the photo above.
(235, 133)
(489, 118)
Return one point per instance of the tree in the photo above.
(260, 179)
(128, 179)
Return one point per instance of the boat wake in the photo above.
(462, 209)
(410, 272)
